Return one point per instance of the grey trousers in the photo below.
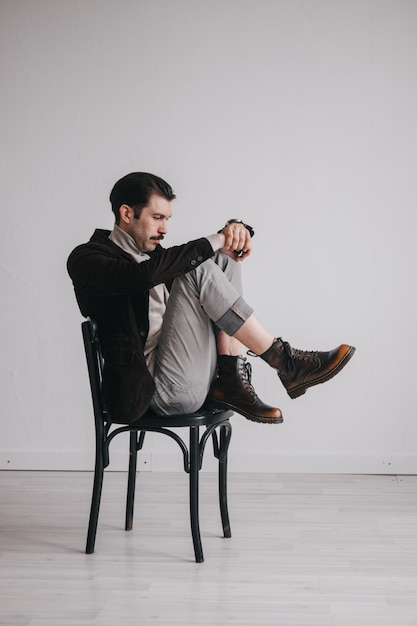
(201, 302)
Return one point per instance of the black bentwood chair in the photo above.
(211, 419)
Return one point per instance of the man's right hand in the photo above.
(237, 241)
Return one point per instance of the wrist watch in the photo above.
(236, 221)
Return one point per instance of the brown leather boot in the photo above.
(233, 389)
(299, 370)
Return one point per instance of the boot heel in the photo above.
(296, 393)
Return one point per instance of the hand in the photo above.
(237, 241)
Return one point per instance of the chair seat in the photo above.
(205, 416)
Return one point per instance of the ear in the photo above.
(125, 213)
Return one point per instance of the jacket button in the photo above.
(193, 262)
(142, 333)
(199, 258)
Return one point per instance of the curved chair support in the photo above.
(211, 419)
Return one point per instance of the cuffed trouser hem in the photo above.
(234, 317)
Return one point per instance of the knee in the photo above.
(222, 260)
(231, 269)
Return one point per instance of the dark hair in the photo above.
(135, 189)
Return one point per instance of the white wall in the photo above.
(299, 117)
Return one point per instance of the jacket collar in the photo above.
(101, 236)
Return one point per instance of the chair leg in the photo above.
(225, 434)
(194, 492)
(131, 481)
(95, 503)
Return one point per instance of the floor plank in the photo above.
(307, 550)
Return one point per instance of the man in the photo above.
(172, 321)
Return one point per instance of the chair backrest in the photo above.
(95, 368)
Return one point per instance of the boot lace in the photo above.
(289, 353)
(293, 354)
(245, 371)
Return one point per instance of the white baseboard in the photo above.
(240, 463)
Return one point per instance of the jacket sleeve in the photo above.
(96, 268)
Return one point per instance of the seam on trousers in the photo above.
(238, 313)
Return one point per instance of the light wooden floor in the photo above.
(307, 550)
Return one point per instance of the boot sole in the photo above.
(252, 418)
(301, 389)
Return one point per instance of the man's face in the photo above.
(149, 230)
